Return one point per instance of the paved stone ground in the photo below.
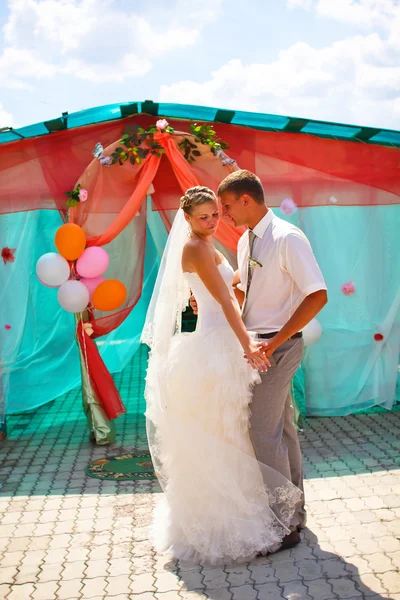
(66, 536)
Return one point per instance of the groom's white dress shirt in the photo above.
(288, 274)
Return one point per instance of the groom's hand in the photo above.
(269, 347)
(193, 304)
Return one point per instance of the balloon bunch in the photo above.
(77, 273)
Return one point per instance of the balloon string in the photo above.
(84, 345)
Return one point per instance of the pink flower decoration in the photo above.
(161, 124)
(83, 195)
(348, 288)
(8, 327)
(288, 207)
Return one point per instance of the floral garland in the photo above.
(203, 134)
(132, 141)
(79, 194)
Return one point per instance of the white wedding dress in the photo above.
(220, 505)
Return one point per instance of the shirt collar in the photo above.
(263, 225)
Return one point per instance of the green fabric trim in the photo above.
(260, 121)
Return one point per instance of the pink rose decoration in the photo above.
(288, 207)
(161, 124)
(83, 195)
(105, 161)
(348, 288)
(7, 327)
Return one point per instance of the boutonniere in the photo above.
(254, 263)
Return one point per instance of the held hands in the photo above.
(256, 357)
(193, 303)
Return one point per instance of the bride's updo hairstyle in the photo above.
(196, 196)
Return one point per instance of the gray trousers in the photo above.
(272, 431)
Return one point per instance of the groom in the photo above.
(280, 288)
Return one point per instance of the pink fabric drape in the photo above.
(101, 181)
(227, 235)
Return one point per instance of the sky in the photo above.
(333, 60)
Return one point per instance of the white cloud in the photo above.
(175, 38)
(96, 40)
(356, 80)
(6, 118)
(299, 3)
(366, 14)
(129, 66)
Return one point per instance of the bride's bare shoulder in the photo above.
(195, 251)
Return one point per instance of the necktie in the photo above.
(252, 237)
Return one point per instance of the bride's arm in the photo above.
(202, 260)
(238, 292)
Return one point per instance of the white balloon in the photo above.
(312, 332)
(52, 269)
(73, 296)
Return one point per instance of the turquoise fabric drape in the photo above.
(348, 370)
(345, 372)
(39, 357)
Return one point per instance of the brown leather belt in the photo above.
(267, 336)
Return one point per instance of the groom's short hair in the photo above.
(243, 182)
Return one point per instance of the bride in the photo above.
(220, 505)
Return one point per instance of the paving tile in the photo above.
(50, 572)
(11, 559)
(218, 594)
(215, 578)
(93, 587)
(45, 591)
(5, 590)
(166, 582)
(319, 589)
(119, 566)
(75, 570)
(238, 576)
(8, 574)
(192, 595)
(191, 580)
(379, 563)
(333, 568)
(118, 585)
(269, 591)
(21, 592)
(308, 570)
(139, 566)
(142, 583)
(390, 581)
(69, 590)
(262, 574)
(95, 568)
(370, 584)
(295, 590)
(244, 592)
(344, 588)
(357, 565)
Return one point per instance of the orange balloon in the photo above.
(109, 295)
(70, 241)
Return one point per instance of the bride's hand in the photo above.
(256, 357)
